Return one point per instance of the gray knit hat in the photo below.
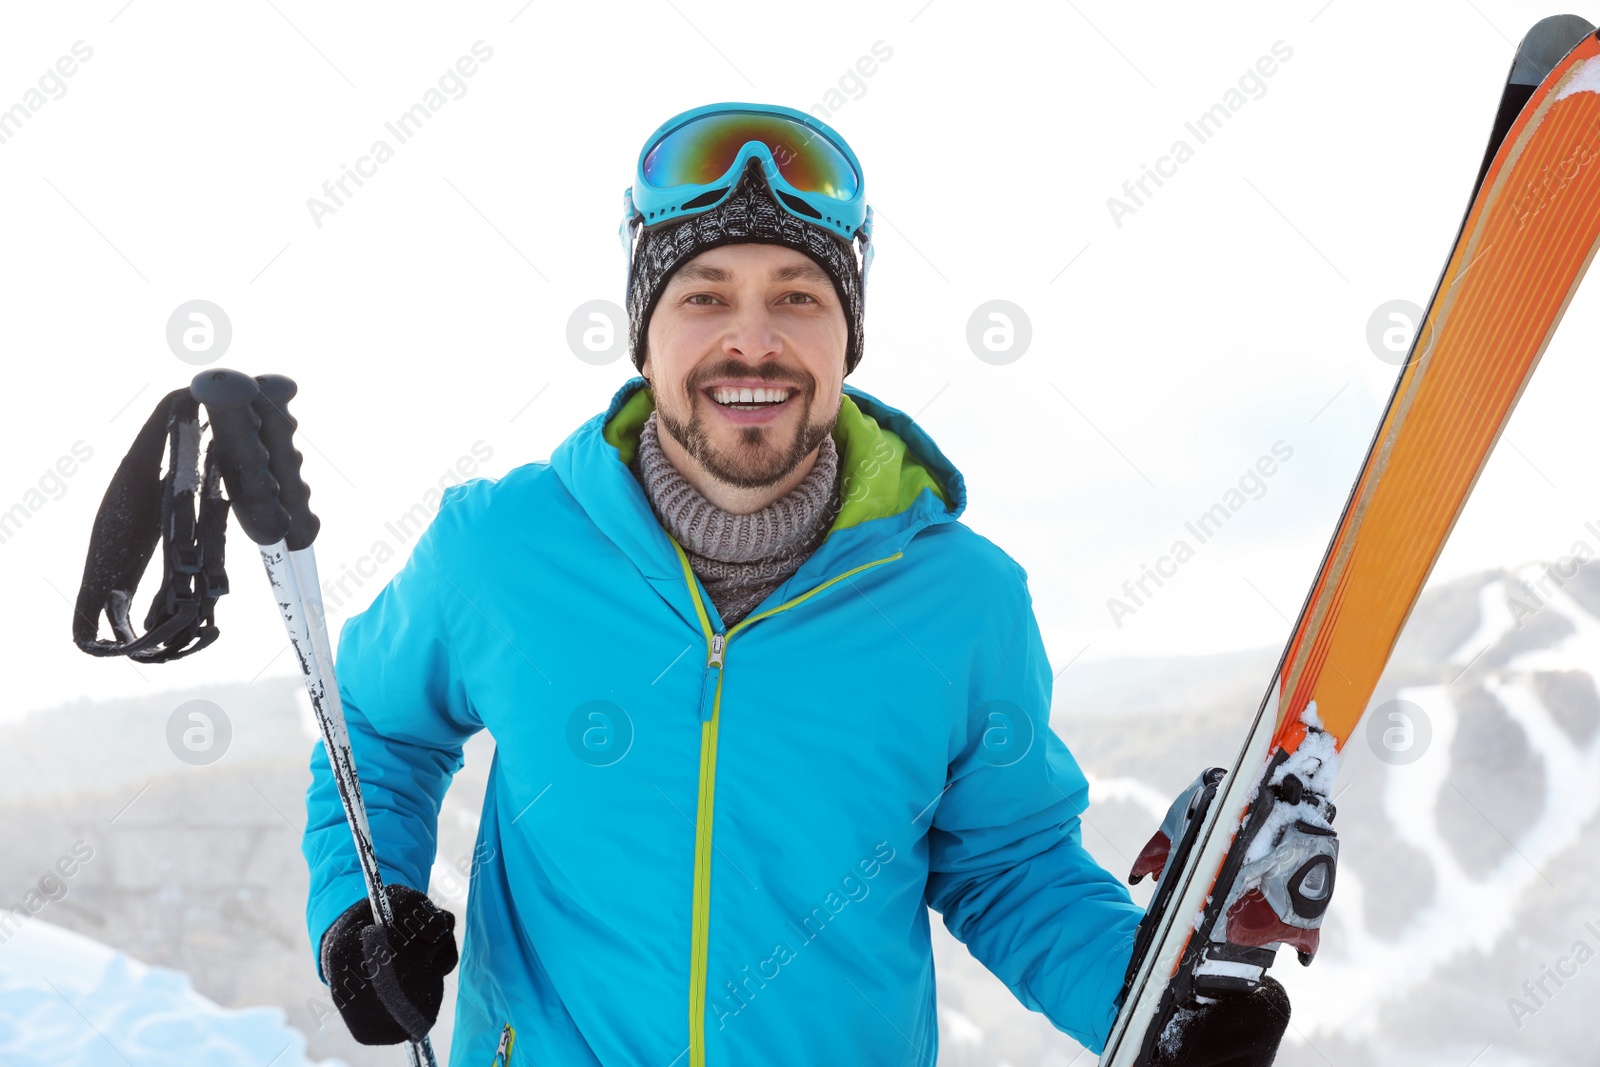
(749, 216)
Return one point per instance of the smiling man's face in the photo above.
(745, 355)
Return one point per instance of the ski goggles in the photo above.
(693, 161)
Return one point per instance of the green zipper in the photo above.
(710, 708)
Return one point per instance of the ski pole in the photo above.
(251, 423)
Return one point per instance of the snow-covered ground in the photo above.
(68, 1001)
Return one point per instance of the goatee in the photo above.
(752, 463)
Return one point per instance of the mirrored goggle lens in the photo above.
(701, 151)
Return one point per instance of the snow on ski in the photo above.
(1528, 236)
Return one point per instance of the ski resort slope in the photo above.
(1469, 854)
(1468, 911)
(68, 1001)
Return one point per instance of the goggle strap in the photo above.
(864, 235)
(631, 222)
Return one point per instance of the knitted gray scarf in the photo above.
(740, 558)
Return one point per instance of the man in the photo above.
(759, 698)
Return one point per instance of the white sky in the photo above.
(1227, 314)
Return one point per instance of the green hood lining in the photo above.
(882, 477)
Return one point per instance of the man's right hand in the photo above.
(388, 982)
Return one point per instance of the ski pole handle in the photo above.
(277, 435)
(243, 460)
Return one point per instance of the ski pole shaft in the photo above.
(254, 430)
(292, 573)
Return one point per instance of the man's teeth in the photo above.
(729, 395)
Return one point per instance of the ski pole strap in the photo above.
(140, 508)
(251, 453)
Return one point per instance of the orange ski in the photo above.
(1253, 866)
(1527, 241)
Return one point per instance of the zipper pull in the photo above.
(713, 675)
(502, 1054)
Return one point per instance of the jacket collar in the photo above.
(896, 481)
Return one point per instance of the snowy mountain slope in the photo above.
(1505, 793)
(67, 1001)
(1471, 841)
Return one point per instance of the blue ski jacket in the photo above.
(709, 845)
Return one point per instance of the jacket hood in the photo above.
(895, 482)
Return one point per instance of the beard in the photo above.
(755, 460)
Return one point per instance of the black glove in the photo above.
(1238, 1030)
(388, 982)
